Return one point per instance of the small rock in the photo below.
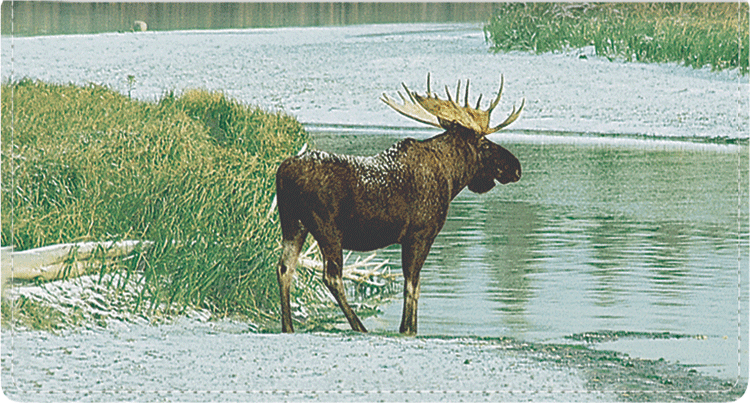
(139, 26)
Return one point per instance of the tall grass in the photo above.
(695, 34)
(193, 173)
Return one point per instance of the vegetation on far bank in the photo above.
(694, 34)
(193, 173)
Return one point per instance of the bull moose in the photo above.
(400, 195)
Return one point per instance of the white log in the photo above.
(48, 262)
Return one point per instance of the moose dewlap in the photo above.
(400, 195)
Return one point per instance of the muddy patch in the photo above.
(637, 379)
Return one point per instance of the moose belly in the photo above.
(368, 235)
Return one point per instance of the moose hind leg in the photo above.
(332, 277)
(291, 244)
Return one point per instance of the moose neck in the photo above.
(458, 155)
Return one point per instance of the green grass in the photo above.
(28, 313)
(695, 34)
(193, 173)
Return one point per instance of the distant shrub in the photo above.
(696, 34)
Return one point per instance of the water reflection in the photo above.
(53, 18)
(612, 249)
(513, 227)
(669, 242)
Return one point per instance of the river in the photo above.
(628, 231)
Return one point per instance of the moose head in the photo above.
(495, 162)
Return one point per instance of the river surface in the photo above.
(630, 220)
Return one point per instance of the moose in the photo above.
(400, 195)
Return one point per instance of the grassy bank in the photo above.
(695, 34)
(193, 173)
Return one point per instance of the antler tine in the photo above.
(478, 101)
(449, 94)
(499, 93)
(458, 92)
(411, 95)
(514, 114)
(411, 108)
(401, 95)
(466, 97)
(428, 84)
(407, 92)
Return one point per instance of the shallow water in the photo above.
(619, 229)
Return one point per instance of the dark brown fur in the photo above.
(398, 196)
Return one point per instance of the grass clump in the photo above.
(32, 314)
(695, 34)
(193, 173)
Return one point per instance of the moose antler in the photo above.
(437, 112)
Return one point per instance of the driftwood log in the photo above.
(59, 261)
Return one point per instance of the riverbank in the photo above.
(694, 34)
(194, 174)
(191, 360)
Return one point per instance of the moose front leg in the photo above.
(413, 255)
